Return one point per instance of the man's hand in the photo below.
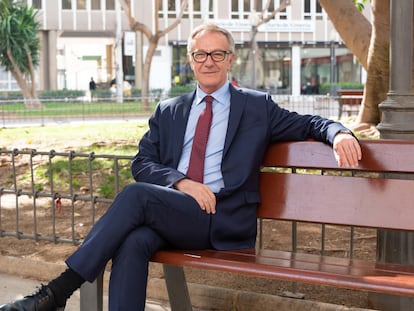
(200, 192)
(347, 150)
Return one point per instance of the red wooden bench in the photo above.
(349, 101)
(378, 194)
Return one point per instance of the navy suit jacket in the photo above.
(255, 121)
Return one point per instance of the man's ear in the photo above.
(190, 61)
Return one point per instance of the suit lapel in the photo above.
(237, 102)
(182, 111)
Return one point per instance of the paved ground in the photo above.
(12, 287)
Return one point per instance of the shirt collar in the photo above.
(222, 95)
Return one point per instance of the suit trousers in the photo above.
(142, 219)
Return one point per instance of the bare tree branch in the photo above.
(133, 23)
(264, 20)
(184, 4)
(153, 37)
(138, 26)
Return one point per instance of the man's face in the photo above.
(210, 74)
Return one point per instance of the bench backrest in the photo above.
(356, 92)
(364, 196)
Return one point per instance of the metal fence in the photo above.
(57, 196)
(55, 111)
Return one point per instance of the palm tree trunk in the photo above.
(30, 101)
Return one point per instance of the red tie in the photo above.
(198, 152)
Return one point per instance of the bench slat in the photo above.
(308, 268)
(378, 155)
(358, 201)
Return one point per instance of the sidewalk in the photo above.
(12, 287)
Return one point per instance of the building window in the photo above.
(171, 9)
(199, 10)
(272, 68)
(181, 70)
(282, 14)
(196, 9)
(95, 4)
(242, 9)
(81, 4)
(312, 8)
(37, 4)
(66, 4)
(110, 4)
(167, 9)
(234, 8)
(316, 69)
(274, 5)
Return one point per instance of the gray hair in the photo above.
(210, 27)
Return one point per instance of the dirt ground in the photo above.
(277, 236)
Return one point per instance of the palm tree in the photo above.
(19, 46)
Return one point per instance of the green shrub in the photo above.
(10, 95)
(325, 88)
(180, 89)
(61, 94)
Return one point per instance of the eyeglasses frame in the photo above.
(210, 54)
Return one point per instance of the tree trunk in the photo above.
(370, 44)
(30, 99)
(146, 72)
(153, 41)
(377, 84)
(353, 27)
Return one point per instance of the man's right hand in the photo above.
(200, 192)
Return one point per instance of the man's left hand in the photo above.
(347, 150)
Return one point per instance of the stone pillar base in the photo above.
(397, 117)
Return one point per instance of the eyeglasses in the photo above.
(216, 56)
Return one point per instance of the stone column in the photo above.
(52, 61)
(397, 122)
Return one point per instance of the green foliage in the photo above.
(11, 95)
(19, 35)
(325, 88)
(360, 4)
(65, 94)
(75, 173)
(180, 89)
(54, 94)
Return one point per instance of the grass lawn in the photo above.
(74, 108)
(120, 138)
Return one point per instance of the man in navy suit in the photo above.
(166, 208)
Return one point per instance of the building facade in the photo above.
(297, 52)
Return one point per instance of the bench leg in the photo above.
(177, 288)
(91, 295)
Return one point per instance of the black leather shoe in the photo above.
(42, 300)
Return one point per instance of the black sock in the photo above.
(64, 286)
